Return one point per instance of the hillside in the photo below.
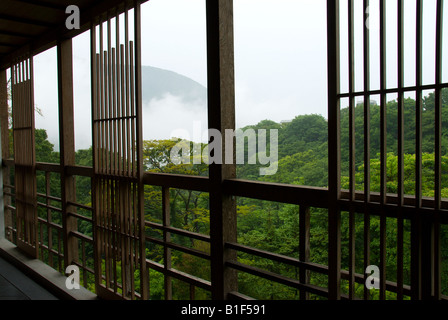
(157, 83)
(274, 226)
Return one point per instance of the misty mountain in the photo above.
(158, 83)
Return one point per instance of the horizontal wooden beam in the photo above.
(182, 232)
(178, 247)
(376, 92)
(79, 171)
(390, 285)
(50, 167)
(279, 258)
(15, 34)
(234, 295)
(392, 198)
(44, 4)
(177, 181)
(9, 45)
(293, 194)
(185, 277)
(80, 216)
(32, 22)
(278, 278)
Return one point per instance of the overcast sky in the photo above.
(280, 61)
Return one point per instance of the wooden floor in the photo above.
(15, 285)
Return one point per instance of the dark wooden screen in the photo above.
(393, 209)
(416, 223)
(117, 187)
(24, 154)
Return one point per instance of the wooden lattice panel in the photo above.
(117, 191)
(24, 155)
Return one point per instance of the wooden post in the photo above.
(67, 147)
(221, 116)
(5, 215)
(95, 180)
(144, 280)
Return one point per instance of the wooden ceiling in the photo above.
(32, 26)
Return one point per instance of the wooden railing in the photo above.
(51, 237)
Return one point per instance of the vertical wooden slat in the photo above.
(122, 234)
(132, 102)
(122, 123)
(366, 67)
(94, 93)
(132, 217)
(116, 205)
(334, 174)
(119, 109)
(84, 263)
(139, 139)
(383, 100)
(134, 145)
(383, 148)
(115, 94)
(418, 83)
(114, 184)
(97, 234)
(31, 180)
(133, 196)
(126, 186)
(123, 160)
(128, 112)
(109, 97)
(438, 152)
(192, 292)
(352, 168)
(41, 229)
(304, 247)
(416, 235)
(351, 84)
(102, 207)
(59, 254)
(166, 238)
(99, 191)
(112, 194)
(101, 100)
(108, 188)
(49, 220)
(400, 148)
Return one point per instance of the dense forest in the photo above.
(302, 160)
